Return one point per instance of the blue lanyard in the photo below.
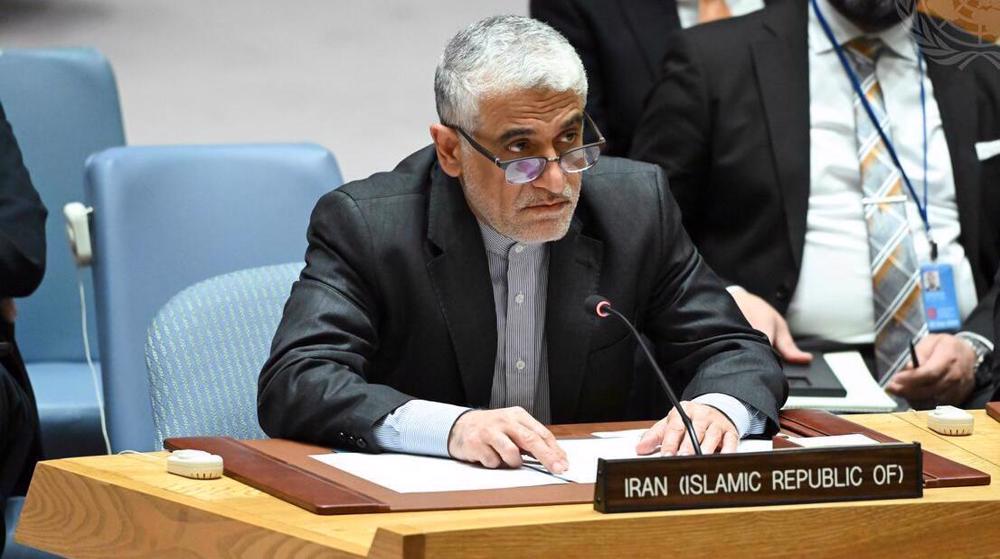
(856, 83)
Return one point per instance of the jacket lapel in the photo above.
(460, 276)
(781, 64)
(953, 91)
(650, 21)
(574, 268)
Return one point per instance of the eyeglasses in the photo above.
(526, 169)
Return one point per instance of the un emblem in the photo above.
(958, 31)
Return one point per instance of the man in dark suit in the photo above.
(457, 281)
(621, 43)
(22, 263)
(759, 129)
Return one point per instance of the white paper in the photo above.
(834, 440)
(582, 454)
(863, 393)
(406, 473)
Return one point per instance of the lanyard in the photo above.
(856, 84)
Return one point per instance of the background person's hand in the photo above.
(8, 311)
(496, 438)
(946, 374)
(762, 316)
(714, 430)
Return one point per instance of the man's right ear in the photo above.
(449, 149)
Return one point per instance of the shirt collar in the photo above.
(896, 38)
(500, 244)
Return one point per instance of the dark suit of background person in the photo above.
(621, 44)
(395, 303)
(730, 123)
(22, 263)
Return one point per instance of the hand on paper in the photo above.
(713, 428)
(496, 438)
(946, 373)
(762, 316)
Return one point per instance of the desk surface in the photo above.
(128, 506)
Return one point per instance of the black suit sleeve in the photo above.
(313, 388)
(698, 328)
(565, 17)
(22, 221)
(675, 129)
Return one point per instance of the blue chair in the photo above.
(205, 350)
(63, 106)
(167, 217)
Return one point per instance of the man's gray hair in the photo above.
(500, 55)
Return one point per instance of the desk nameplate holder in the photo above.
(887, 471)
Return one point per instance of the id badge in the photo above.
(937, 282)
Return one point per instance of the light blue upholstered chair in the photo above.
(168, 217)
(205, 350)
(63, 106)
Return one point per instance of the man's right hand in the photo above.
(497, 438)
(762, 316)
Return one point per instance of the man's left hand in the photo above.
(713, 428)
(946, 374)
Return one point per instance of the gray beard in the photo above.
(874, 15)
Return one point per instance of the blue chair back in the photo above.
(205, 350)
(168, 217)
(63, 106)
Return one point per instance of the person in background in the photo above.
(621, 43)
(22, 264)
(791, 191)
(441, 308)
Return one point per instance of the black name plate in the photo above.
(813, 475)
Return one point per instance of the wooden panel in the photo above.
(68, 512)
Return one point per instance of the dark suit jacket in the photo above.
(395, 302)
(621, 44)
(22, 263)
(729, 121)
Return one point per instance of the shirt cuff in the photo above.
(418, 427)
(974, 337)
(748, 421)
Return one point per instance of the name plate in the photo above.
(813, 475)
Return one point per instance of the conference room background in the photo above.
(354, 77)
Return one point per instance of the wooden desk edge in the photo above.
(58, 487)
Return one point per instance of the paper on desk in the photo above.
(855, 439)
(582, 454)
(863, 393)
(407, 473)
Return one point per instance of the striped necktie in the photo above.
(899, 309)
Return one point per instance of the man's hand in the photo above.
(762, 316)
(496, 438)
(946, 374)
(712, 426)
(8, 312)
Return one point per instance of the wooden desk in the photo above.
(127, 506)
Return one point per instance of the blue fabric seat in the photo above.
(167, 217)
(63, 106)
(206, 347)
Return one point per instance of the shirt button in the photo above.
(519, 248)
(519, 298)
(519, 365)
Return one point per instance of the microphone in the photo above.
(602, 308)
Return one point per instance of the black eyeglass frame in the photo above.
(558, 158)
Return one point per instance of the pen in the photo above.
(913, 355)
